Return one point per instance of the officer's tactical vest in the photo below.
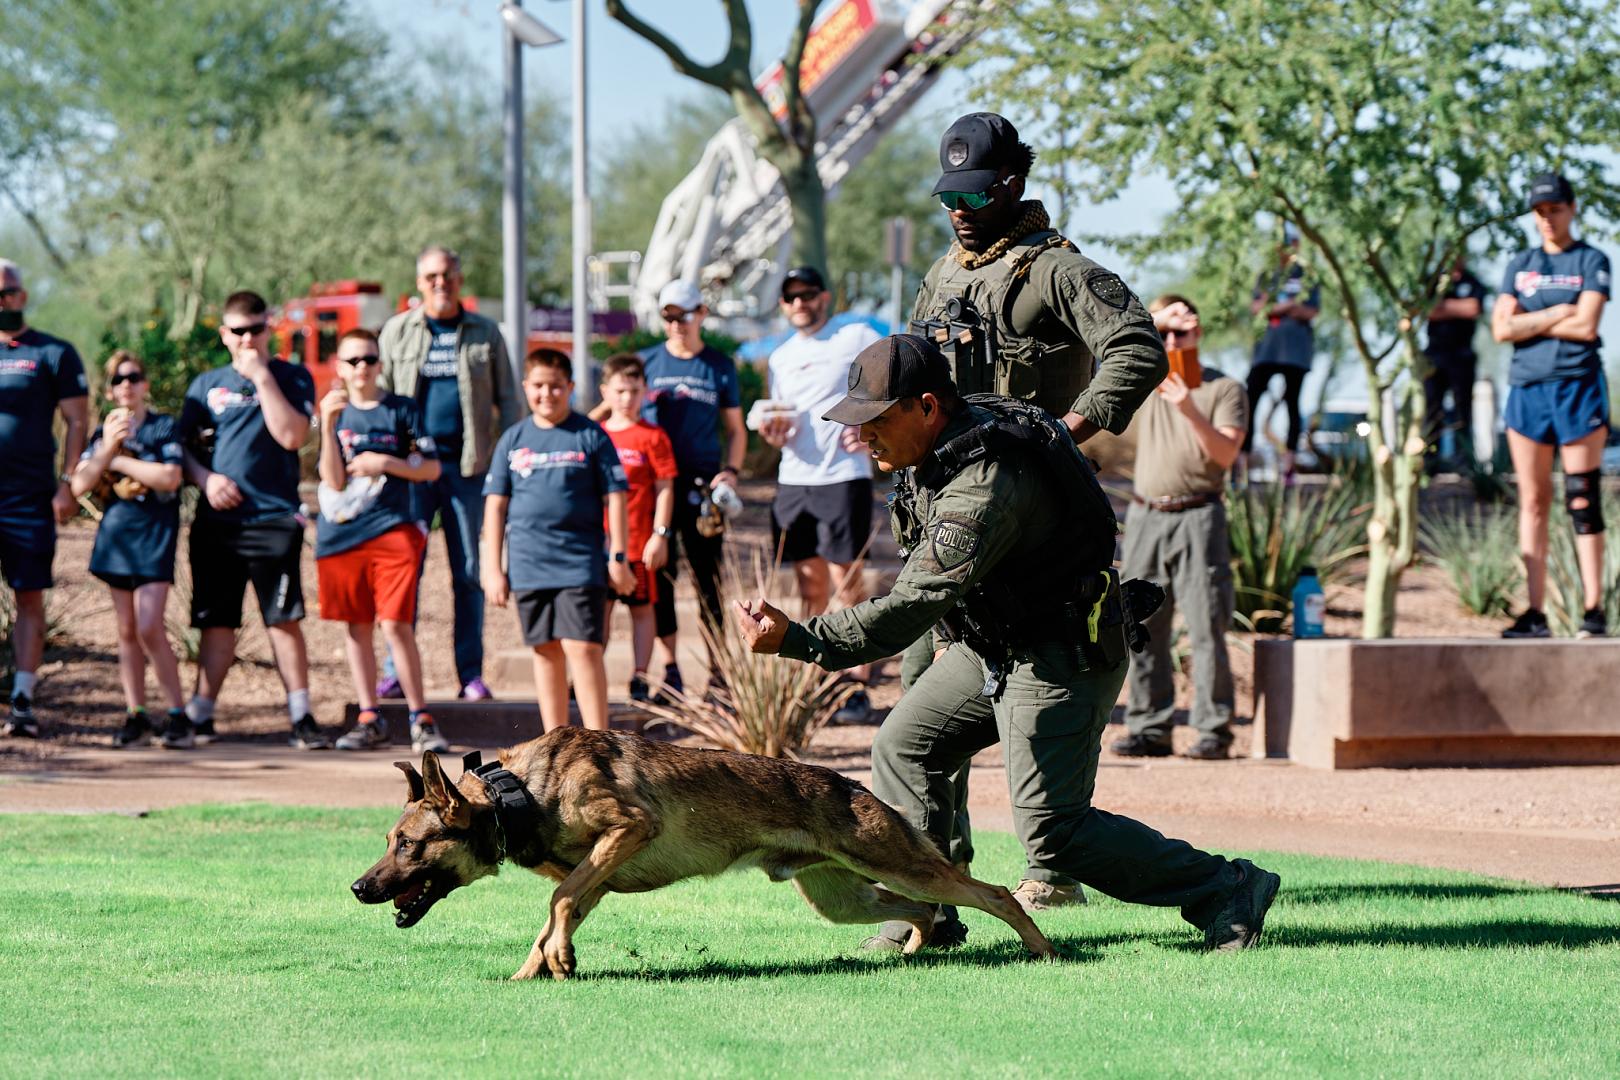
(1046, 365)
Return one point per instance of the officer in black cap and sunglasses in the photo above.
(1020, 312)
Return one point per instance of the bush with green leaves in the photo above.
(1480, 553)
(1276, 531)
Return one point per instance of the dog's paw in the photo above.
(532, 967)
(559, 960)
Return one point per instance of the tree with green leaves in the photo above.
(790, 145)
(1394, 137)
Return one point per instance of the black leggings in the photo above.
(1260, 376)
(702, 554)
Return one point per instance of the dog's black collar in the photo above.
(515, 809)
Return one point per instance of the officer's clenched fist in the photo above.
(763, 626)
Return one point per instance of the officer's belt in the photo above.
(1175, 504)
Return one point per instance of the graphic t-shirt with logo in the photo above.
(1455, 337)
(390, 427)
(558, 479)
(684, 397)
(227, 403)
(1541, 280)
(439, 394)
(137, 536)
(647, 458)
(36, 372)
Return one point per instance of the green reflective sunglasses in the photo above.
(965, 200)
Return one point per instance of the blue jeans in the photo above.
(459, 501)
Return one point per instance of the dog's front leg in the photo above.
(613, 847)
(536, 962)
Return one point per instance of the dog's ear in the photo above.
(448, 802)
(413, 778)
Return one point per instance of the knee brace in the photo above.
(1583, 498)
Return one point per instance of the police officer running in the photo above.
(1000, 516)
(1018, 311)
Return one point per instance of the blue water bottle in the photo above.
(1310, 605)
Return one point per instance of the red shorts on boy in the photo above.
(376, 580)
(646, 587)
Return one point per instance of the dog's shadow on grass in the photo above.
(1399, 890)
(619, 967)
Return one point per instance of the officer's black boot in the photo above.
(949, 932)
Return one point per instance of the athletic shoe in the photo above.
(1140, 746)
(638, 687)
(1593, 624)
(1035, 896)
(1239, 924)
(425, 736)
(857, 710)
(1209, 748)
(949, 932)
(137, 729)
(366, 735)
(1532, 624)
(475, 690)
(22, 724)
(388, 687)
(179, 734)
(203, 731)
(307, 735)
(671, 682)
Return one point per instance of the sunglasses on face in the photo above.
(10, 291)
(805, 295)
(246, 331)
(971, 200)
(367, 360)
(678, 315)
(127, 377)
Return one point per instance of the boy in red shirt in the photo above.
(649, 464)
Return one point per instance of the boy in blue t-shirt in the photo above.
(134, 460)
(368, 538)
(549, 479)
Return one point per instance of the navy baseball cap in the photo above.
(973, 151)
(806, 276)
(1550, 187)
(886, 371)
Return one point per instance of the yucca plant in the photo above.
(768, 705)
(1275, 531)
(1565, 602)
(1480, 552)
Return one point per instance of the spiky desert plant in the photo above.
(1275, 531)
(1565, 602)
(1480, 552)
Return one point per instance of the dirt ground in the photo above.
(1557, 826)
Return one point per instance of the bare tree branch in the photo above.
(801, 121)
(36, 226)
(715, 75)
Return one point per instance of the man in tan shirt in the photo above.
(1186, 440)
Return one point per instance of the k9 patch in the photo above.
(951, 543)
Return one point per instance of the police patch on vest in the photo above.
(952, 543)
(1109, 289)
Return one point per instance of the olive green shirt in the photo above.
(990, 511)
(1068, 297)
(1169, 458)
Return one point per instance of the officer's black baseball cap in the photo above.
(806, 277)
(973, 151)
(886, 371)
(1550, 187)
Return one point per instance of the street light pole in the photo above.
(514, 294)
(586, 388)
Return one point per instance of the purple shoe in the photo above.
(388, 687)
(476, 691)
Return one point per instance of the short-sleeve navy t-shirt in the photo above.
(37, 372)
(137, 536)
(558, 479)
(440, 395)
(1288, 342)
(684, 397)
(390, 427)
(1455, 337)
(227, 403)
(1541, 280)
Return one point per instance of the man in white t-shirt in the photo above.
(822, 517)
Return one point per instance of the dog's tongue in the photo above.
(408, 896)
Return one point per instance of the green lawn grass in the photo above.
(223, 942)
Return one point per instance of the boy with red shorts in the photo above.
(649, 466)
(368, 541)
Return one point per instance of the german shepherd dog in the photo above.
(609, 812)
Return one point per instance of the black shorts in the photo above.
(226, 555)
(832, 521)
(27, 541)
(129, 582)
(572, 614)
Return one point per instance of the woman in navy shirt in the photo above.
(1551, 300)
(134, 458)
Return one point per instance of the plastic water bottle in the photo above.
(1310, 605)
(726, 499)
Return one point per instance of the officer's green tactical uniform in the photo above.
(986, 538)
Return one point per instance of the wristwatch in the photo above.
(663, 530)
(619, 556)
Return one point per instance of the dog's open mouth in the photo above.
(414, 902)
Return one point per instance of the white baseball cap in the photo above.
(681, 294)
